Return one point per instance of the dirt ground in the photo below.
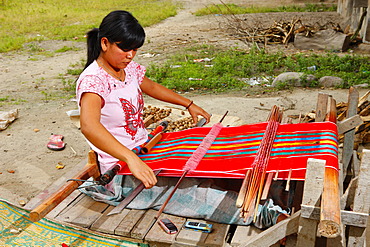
(32, 84)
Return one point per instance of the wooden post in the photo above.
(312, 191)
(348, 143)
(361, 201)
(90, 170)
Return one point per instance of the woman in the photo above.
(109, 93)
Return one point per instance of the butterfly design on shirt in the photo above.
(133, 116)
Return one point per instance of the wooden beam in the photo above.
(361, 201)
(348, 217)
(276, 232)
(348, 143)
(312, 191)
(349, 124)
(321, 106)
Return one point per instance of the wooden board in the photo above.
(108, 224)
(244, 234)
(157, 236)
(128, 223)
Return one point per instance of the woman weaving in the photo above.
(109, 94)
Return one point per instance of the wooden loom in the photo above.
(289, 226)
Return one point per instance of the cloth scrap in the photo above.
(195, 198)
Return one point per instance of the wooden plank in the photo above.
(157, 236)
(361, 201)
(244, 234)
(218, 235)
(349, 124)
(142, 227)
(276, 232)
(322, 102)
(348, 217)
(355, 164)
(348, 143)
(190, 237)
(108, 224)
(74, 197)
(75, 209)
(128, 223)
(90, 215)
(313, 188)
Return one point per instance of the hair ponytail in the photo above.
(93, 46)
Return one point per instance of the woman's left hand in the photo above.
(196, 111)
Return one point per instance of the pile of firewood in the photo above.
(362, 132)
(280, 32)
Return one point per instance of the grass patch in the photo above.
(228, 70)
(23, 21)
(226, 9)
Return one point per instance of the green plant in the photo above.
(226, 9)
(225, 69)
(24, 21)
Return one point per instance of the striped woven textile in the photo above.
(16, 229)
(233, 151)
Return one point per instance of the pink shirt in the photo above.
(122, 106)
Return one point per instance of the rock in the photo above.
(322, 40)
(330, 81)
(297, 79)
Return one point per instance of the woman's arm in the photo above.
(101, 138)
(162, 93)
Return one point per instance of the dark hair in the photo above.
(118, 26)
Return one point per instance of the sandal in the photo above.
(56, 142)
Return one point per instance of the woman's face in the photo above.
(115, 56)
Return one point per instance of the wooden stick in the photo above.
(243, 190)
(267, 186)
(90, 170)
(288, 180)
(171, 194)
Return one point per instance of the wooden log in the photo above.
(90, 170)
(330, 220)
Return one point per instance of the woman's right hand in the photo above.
(142, 171)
